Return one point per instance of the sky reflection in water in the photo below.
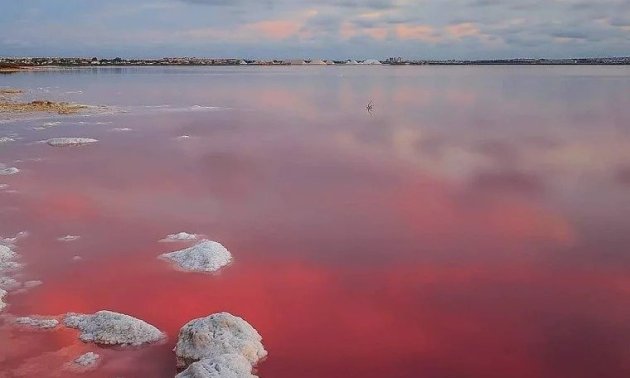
(474, 226)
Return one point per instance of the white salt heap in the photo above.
(7, 171)
(65, 142)
(216, 335)
(37, 322)
(205, 256)
(88, 359)
(112, 328)
(224, 366)
(181, 236)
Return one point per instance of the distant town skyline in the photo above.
(321, 29)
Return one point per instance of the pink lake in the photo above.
(475, 225)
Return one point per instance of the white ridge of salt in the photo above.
(6, 140)
(66, 142)
(88, 359)
(112, 328)
(205, 256)
(223, 366)
(37, 322)
(180, 236)
(121, 129)
(182, 137)
(68, 238)
(216, 335)
(3, 293)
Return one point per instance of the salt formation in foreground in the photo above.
(65, 142)
(181, 236)
(205, 256)
(37, 322)
(217, 335)
(224, 366)
(112, 328)
(88, 359)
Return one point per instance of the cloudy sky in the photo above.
(318, 28)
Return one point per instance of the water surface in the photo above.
(474, 225)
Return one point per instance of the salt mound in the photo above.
(224, 366)
(8, 171)
(37, 322)
(217, 335)
(65, 142)
(88, 359)
(182, 236)
(2, 295)
(112, 328)
(206, 256)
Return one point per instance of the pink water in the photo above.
(475, 225)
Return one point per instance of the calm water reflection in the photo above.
(476, 225)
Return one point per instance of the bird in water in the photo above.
(370, 107)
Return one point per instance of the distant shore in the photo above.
(18, 64)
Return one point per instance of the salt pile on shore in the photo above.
(112, 328)
(218, 343)
(206, 256)
(67, 142)
(3, 293)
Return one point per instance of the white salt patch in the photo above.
(181, 236)
(8, 171)
(8, 259)
(8, 283)
(121, 129)
(65, 142)
(182, 137)
(3, 293)
(216, 335)
(4, 186)
(69, 238)
(13, 240)
(206, 256)
(6, 140)
(224, 366)
(37, 322)
(77, 258)
(112, 328)
(88, 359)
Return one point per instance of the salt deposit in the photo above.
(181, 236)
(88, 359)
(66, 142)
(37, 322)
(7, 171)
(224, 366)
(216, 335)
(206, 256)
(3, 293)
(69, 238)
(112, 328)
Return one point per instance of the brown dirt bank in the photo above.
(40, 106)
